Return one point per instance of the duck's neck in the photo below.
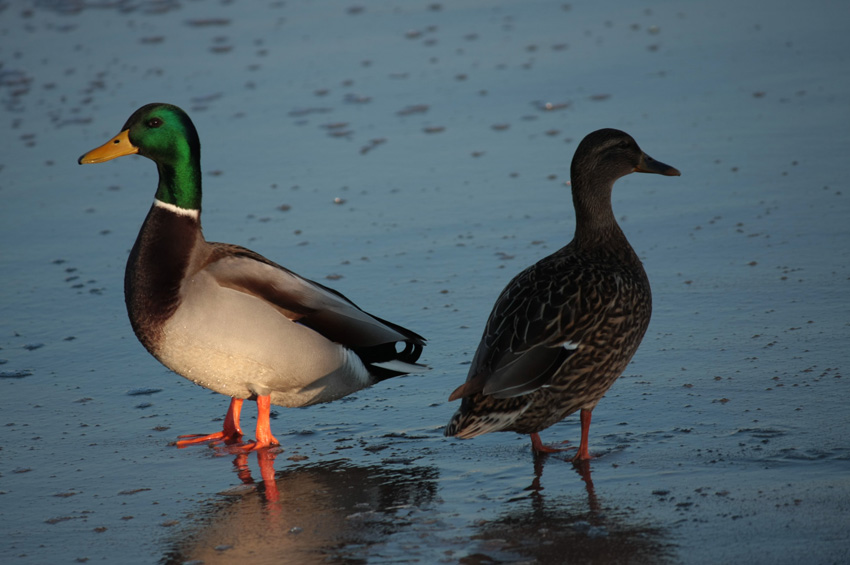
(180, 182)
(595, 222)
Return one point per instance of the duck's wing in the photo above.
(530, 334)
(307, 302)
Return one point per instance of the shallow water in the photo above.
(414, 157)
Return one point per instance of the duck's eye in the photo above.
(623, 145)
(154, 122)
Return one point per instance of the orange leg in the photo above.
(264, 431)
(229, 434)
(538, 447)
(583, 453)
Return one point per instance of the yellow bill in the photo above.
(118, 146)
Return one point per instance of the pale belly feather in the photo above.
(238, 345)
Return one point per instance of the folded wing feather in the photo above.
(307, 302)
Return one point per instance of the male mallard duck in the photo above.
(564, 329)
(229, 319)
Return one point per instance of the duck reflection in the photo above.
(305, 514)
(568, 529)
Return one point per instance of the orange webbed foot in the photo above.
(256, 445)
(230, 434)
(265, 438)
(538, 447)
(214, 438)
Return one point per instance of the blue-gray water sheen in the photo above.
(415, 156)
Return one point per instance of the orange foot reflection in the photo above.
(265, 460)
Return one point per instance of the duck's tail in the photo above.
(389, 360)
(470, 421)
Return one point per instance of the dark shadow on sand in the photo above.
(572, 529)
(330, 512)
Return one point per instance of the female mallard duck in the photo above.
(564, 329)
(229, 319)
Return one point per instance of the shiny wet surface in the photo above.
(414, 158)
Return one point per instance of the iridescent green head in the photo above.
(166, 135)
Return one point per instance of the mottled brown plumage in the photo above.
(564, 329)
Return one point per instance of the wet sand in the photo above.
(414, 157)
